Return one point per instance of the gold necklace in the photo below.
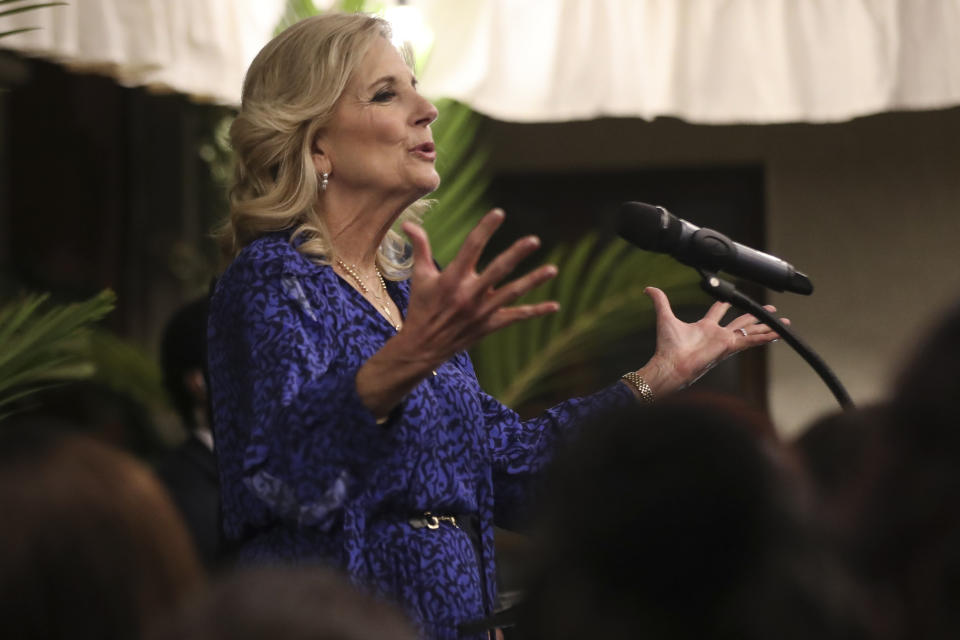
(382, 301)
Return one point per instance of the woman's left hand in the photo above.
(686, 351)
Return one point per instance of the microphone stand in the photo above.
(726, 292)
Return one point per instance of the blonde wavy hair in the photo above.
(289, 95)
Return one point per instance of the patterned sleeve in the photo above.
(521, 448)
(292, 434)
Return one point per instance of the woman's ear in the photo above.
(321, 161)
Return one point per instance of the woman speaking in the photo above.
(350, 426)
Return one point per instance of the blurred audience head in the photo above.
(748, 417)
(833, 451)
(924, 396)
(286, 603)
(905, 538)
(675, 521)
(183, 355)
(90, 545)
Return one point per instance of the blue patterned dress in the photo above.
(307, 474)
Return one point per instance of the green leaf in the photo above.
(598, 309)
(41, 344)
(129, 370)
(63, 367)
(10, 12)
(14, 316)
(13, 31)
(352, 6)
(464, 160)
(295, 11)
(11, 398)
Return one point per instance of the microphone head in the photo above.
(799, 283)
(647, 226)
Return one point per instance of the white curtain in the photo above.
(706, 61)
(198, 47)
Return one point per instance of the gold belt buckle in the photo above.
(432, 520)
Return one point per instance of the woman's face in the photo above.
(379, 142)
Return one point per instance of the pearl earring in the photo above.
(324, 180)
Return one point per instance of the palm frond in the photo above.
(600, 291)
(353, 6)
(295, 11)
(15, 31)
(463, 160)
(128, 370)
(40, 346)
(10, 12)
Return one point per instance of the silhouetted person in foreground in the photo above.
(833, 453)
(286, 603)
(906, 530)
(90, 545)
(674, 521)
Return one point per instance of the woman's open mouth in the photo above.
(425, 151)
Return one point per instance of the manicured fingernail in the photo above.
(550, 270)
(533, 241)
(499, 213)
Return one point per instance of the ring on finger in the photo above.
(743, 331)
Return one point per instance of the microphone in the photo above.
(656, 229)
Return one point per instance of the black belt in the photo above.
(432, 520)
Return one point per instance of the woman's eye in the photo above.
(384, 95)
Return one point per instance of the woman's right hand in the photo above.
(450, 310)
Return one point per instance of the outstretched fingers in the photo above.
(741, 322)
(753, 332)
(756, 339)
(506, 262)
(514, 290)
(747, 323)
(468, 256)
(508, 315)
(716, 312)
(747, 319)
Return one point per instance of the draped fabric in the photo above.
(197, 47)
(705, 61)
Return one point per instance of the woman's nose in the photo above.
(426, 113)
